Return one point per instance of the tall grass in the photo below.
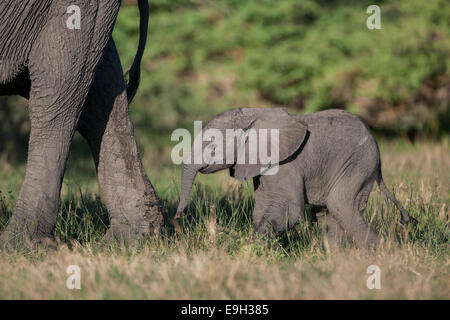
(217, 256)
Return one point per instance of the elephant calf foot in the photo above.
(335, 236)
(333, 233)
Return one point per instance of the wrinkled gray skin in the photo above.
(328, 159)
(74, 81)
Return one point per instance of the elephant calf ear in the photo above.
(292, 133)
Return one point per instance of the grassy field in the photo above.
(215, 257)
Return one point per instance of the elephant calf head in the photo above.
(241, 140)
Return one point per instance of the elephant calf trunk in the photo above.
(187, 181)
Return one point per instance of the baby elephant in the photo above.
(327, 159)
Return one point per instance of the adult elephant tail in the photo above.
(135, 71)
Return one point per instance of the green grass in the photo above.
(216, 255)
(83, 217)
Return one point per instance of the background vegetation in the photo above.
(206, 56)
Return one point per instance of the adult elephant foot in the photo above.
(15, 236)
(123, 234)
(133, 218)
(24, 234)
(132, 202)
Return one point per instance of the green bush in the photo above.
(204, 57)
(207, 56)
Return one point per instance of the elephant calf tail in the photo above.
(385, 190)
(135, 71)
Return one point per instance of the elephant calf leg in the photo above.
(348, 207)
(332, 232)
(133, 205)
(276, 209)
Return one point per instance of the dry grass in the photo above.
(215, 257)
(405, 274)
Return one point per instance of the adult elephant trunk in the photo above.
(189, 173)
(135, 71)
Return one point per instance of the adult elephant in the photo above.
(74, 81)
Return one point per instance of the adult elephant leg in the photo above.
(133, 205)
(61, 64)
